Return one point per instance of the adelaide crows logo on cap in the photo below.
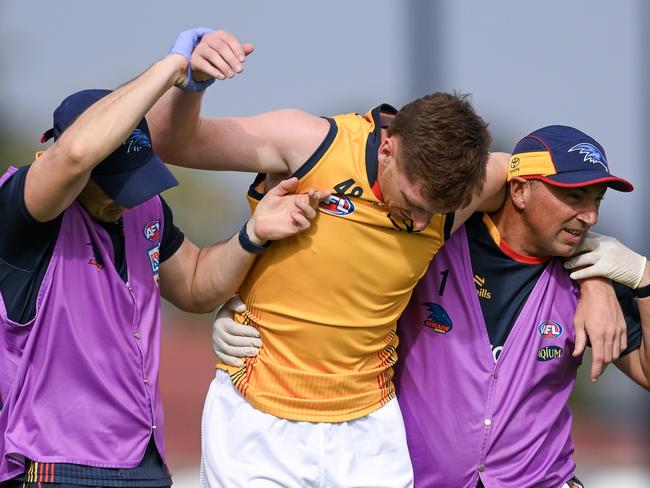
(592, 154)
(136, 141)
(438, 318)
(337, 205)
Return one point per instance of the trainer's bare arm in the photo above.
(276, 142)
(56, 178)
(198, 280)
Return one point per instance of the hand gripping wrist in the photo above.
(184, 45)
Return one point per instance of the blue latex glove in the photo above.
(184, 45)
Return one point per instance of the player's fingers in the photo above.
(203, 69)
(596, 369)
(312, 199)
(322, 195)
(216, 61)
(220, 54)
(581, 341)
(597, 360)
(303, 203)
(238, 49)
(248, 49)
(623, 340)
(300, 222)
(285, 186)
(616, 346)
(315, 197)
(608, 349)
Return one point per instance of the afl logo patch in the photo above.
(438, 319)
(337, 205)
(152, 230)
(549, 353)
(549, 329)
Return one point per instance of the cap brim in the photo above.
(131, 188)
(577, 179)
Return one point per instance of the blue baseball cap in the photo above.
(131, 174)
(563, 156)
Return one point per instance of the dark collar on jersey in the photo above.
(373, 142)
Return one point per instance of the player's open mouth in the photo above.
(576, 233)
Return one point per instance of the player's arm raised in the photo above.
(275, 142)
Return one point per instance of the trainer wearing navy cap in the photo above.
(132, 173)
(87, 248)
(496, 309)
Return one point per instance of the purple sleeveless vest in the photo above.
(466, 415)
(79, 382)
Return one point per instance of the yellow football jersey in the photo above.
(326, 301)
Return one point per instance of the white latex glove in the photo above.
(607, 257)
(231, 340)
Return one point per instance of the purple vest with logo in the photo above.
(466, 415)
(79, 382)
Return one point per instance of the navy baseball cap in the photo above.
(563, 156)
(131, 174)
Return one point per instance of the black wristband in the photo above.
(642, 292)
(248, 245)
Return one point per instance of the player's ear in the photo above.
(387, 150)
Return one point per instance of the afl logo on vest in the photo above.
(337, 205)
(152, 230)
(549, 329)
(438, 318)
(548, 353)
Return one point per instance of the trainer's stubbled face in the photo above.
(558, 218)
(98, 204)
